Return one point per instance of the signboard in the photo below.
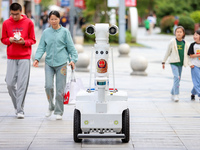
(128, 3)
(113, 3)
(64, 3)
(80, 3)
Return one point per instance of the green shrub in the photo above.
(195, 16)
(129, 38)
(114, 38)
(167, 24)
(187, 23)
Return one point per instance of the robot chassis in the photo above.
(102, 112)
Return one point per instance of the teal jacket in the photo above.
(58, 46)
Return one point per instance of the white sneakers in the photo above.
(58, 117)
(20, 116)
(175, 98)
(48, 113)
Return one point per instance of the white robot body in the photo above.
(110, 110)
(101, 112)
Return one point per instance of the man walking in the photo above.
(44, 20)
(18, 34)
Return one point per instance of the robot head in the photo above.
(113, 29)
(102, 31)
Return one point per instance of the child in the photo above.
(194, 53)
(177, 51)
(147, 25)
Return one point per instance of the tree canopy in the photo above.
(45, 4)
(96, 11)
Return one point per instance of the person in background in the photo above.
(194, 53)
(155, 19)
(151, 22)
(56, 41)
(18, 34)
(81, 22)
(28, 14)
(64, 21)
(126, 18)
(177, 51)
(147, 25)
(175, 23)
(44, 20)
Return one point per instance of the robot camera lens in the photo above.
(90, 30)
(112, 30)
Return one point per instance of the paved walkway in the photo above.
(157, 123)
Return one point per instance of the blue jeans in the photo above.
(176, 70)
(60, 73)
(196, 81)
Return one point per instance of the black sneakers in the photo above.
(192, 97)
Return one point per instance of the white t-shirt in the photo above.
(194, 49)
(151, 19)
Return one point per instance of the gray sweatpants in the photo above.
(17, 79)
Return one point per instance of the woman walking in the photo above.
(56, 41)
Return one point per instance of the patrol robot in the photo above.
(101, 112)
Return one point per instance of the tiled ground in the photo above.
(157, 123)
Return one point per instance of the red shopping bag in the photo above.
(67, 94)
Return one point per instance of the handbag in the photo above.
(66, 93)
(72, 88)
